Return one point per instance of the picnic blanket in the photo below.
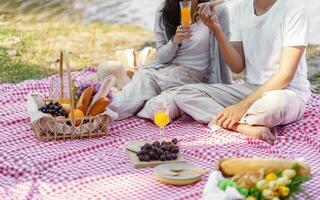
(100, 169)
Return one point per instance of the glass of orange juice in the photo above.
(185, 7)
(59, 92)
(161, 117)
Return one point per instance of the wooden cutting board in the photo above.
(135, 146)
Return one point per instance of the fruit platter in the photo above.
(257, 179)
(150, 154)
(81, 113)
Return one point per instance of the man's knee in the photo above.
(277, 101)
(274, 108)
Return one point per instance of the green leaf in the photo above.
(226, 183)
(254, 192)
(243, 191)
(279, 174)
(296, 183)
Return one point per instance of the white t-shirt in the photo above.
(285, 24)
(195, 52)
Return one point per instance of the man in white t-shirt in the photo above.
(268, 42)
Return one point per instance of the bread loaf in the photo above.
(105, 88)
(99, 107)
(84, 100)
(233, 166)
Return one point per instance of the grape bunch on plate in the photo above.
(164, 151)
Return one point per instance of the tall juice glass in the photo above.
(161, 117)
(185, 7)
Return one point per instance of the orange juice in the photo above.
(161, 119)
(185, 16)
(63, 101)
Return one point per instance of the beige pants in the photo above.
(149, 86)
(203, 102)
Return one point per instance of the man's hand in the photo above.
(208, 16)
(231, 115)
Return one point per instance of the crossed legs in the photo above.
(274, 108)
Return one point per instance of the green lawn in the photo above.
(28, 50)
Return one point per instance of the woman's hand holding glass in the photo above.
(183, 33)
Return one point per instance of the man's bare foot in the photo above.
(258, 132)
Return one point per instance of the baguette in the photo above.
(85, 99)
(105, 88)
(99, 107)
(233, 166)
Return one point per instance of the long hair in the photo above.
(171, 17)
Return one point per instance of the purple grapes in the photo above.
(156, 151)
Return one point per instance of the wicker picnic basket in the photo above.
(48, 128)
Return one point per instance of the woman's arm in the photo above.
(166, 51)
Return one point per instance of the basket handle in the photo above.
(61, 75)
(64, 59)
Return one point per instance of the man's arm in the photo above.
(290, 59)
(232, 52)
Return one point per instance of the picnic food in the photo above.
(264, 179)
(99, 106)
(77, 114)
(66, 108)
(85, 98)
(81, 108)
(269, 187)
(103, 91)
(90, 100)
(233, 166)
(96, 86)
(163, 151)
(55, 109)
(74, 103)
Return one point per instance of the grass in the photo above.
(28, 50)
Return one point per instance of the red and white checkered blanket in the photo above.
(100, 169)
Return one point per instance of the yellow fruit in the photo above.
(77, 114)
(272, 185)
(262, 184)
(268, 194)
(66, 108)
(251, 198)
(290, 173)
(271, 177)
(282, 181)
(284, 191)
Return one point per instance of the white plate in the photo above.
(164, 170)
